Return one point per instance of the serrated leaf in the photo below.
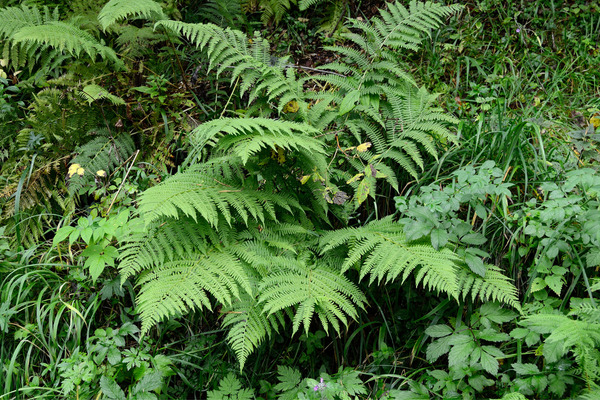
(288, 377)
(149, 382)
(476, 264)
(537, 285)
(62, 234)
(492, 335)
(460, 353)
(555, 283)
(519, 333)
(525, 369)
(593, 258)
(437, 348)
(479, 382)
(473, 239)
(481, 211)
(111, 389)
(489, 363)
(437, 331)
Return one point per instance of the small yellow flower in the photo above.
(75, 169)
(101, 173)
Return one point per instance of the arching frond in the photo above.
(248, 326)
(194, 195)
(116, 10)
(311, 289)
(381, 250)
(178, 286)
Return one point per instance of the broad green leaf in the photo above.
(149, 382)
(439, 238)
(479, 382)
(62, 234)
(525, 369)
(476, 264)
(538, 284)
(593, 257)
(460, 353)
(349, 102)
(474, 239)
(489, 363)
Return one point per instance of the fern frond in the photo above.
(248, 326)
(381, 250)
(249, 61)
(116, 10)
(12, 19)
(195, 195)
(163, 242)
(400, 27)
(315, 289)
(246, 136)
(64, 36)
(176, 287)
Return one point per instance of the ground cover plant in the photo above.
(299, 200)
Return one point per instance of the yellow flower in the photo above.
(75, 169)
(101, 173)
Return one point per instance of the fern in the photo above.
(580, 336)
(248, 326)
(30, 34)
(246, 137)
(13, 19)
(249, 61)
(315, 289)
(64, 36)
(176, 287)
(116, 10)
(195, 195)
(381, 250)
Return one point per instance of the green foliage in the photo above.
(382, 250)
(32, 35)
(116, 10)
(97, 159)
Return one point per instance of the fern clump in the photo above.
(245, 223)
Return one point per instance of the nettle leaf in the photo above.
(489, 363)
(555, 283)
(438, 348)
(525, 369)
(461, 351)
(479, 382)
(111, 389)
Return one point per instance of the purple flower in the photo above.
(317, 388)
(518, 30)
